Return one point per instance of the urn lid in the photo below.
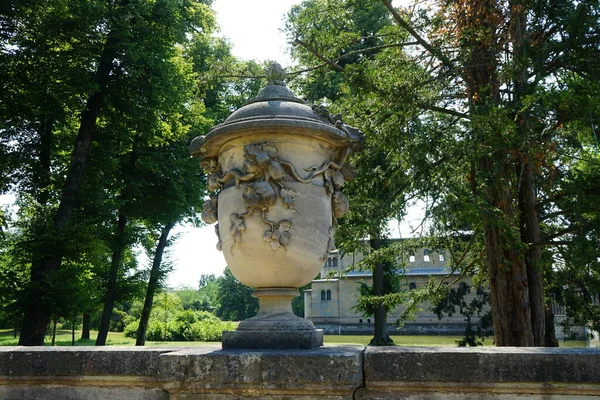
(278, 111)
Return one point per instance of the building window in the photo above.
(360, 321)
(412, 286)
(369, 321)
(335, 262)
(325, 295)
(426, 255)
(411, 259)
(441, 257)
(328, 264)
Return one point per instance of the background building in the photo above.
(329, 304)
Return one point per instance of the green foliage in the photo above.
(184, 325)
(460, 104)
(478, 321)
(161, 85)
(236, 301)
(298, 301)
(392, 295)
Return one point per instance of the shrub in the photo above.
(188, 325)
(156, 331)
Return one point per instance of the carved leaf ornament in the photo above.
(261, 179)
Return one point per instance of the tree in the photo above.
(467, 92)
(132, 48)
(208, 288)
(235, 299)
(153, 285)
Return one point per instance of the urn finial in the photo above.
(276, 74)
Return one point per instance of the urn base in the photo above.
(275, 326)
(305, 340)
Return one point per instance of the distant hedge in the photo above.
(188, 325)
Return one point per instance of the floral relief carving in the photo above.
(210, 211)
(262, 180)
(278, 236)
(219, 247)
(330, 242)
(237, 226)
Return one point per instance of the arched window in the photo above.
(335, 261)
(323, 295)
(411, 258)
(426, 255)
(329, 295)
(412, 286)
(328, 262)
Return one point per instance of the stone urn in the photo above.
(276, 166)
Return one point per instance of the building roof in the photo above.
(407, 272)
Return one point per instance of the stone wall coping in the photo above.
(483, 364)
(330, 372)
(81, 360)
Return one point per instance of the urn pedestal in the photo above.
(277, 165)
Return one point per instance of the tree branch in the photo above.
(443, 110)
(562, 232)
(550, 243)
(435, 52)
(327, 61)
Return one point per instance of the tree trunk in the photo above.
(530, 233)
(478, 29)
(85, 326)
(528, 214)
(508, 290)
(54, 332)
(550, 333)
(37, 313)
(381, 336)
(152, 286)
(111, 289)
(73, 332)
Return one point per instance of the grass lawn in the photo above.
(420, 340)
(63, 338)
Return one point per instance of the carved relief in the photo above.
(209, 211)
(219, 247)
(262, 180)
(330, 241)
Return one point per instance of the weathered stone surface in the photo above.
(329, 372)
(80, 361)
(482, 373)
(127, 373)
(272, 339)
(66, 391)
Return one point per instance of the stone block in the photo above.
(272, 339)
(213, 373)
(482, 373)
(80, 361)
(82, 373)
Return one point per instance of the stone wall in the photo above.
(336, 372)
